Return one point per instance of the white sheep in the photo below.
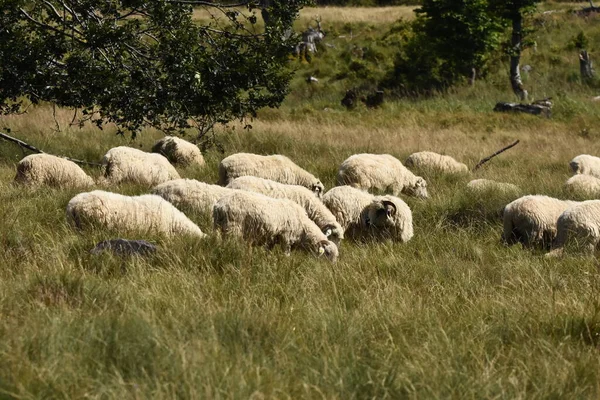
(263, 220)
(192, 194)
(586, 165)
(531, 220)
(583, 185)
(300, 195)
(45, 169)
(179, 151)
(484, 186)
(381, 172)
(579, 228)
(428, 160)
(140, 214)
(361, 213)
(126, 164)
(274, 167)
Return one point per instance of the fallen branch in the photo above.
(484, 160)
(539, 107)
(36, 150)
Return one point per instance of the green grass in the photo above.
(451, 314)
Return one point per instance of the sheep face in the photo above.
(328, 249)
(381, 214)
(418, 189)
(333, 233)
(318, 188)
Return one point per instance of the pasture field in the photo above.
(451, 314)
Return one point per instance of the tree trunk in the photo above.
(585, 66)
(515, 57)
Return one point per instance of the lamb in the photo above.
(428, 160)
(179, 151)
(586, 165)
(583, 185)
(140, 214)
(192, 194)
(578, 228)
(361, 213)
(482, 186)
(262, 220)
(381, 172)
(314, 208)
(126, 164)
(275, 167)
(45, 169)
(531, 220)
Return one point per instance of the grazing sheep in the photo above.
(360, 213)
(381, 172)
(586, 165)
(584, 185)
(531, 220)
(579, 228)
(192, 194)
(140, 214)
(428, 160)
(179, 151)
(300, 195)
(45, 169)
(483, 186)
(126, 164)
(263, 220)
(275, 167)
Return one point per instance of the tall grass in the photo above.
(451, 314)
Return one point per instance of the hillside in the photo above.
(453, 313)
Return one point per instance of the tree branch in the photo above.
(484, 160)
(36, 150)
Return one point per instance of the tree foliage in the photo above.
(452, 40)
(143, 63)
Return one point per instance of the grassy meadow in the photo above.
(451, 314)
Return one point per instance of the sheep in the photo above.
(360, 213)
(315, 209)
(191, 194)
(583, 185)
(45, 169)
(381, 172)
(579, 228)
(428, 160)
(263, 220)
(586, 165)
(275, 167)
(179, 151)
(483, 186)
(140, 214)
(126, 164)
(531, 220)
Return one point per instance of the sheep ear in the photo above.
(390, 208)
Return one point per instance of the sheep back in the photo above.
(380, 172)
(140, 214)
(274, 167)
(46, 169)
(300, 195)
(126, 164)
(179, 151)
(583, 185)
(428, 160)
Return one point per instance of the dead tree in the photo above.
(515, 57)
(488, 158)
(585, 66)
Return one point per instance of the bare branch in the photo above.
(36, 150)
(484, 160)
